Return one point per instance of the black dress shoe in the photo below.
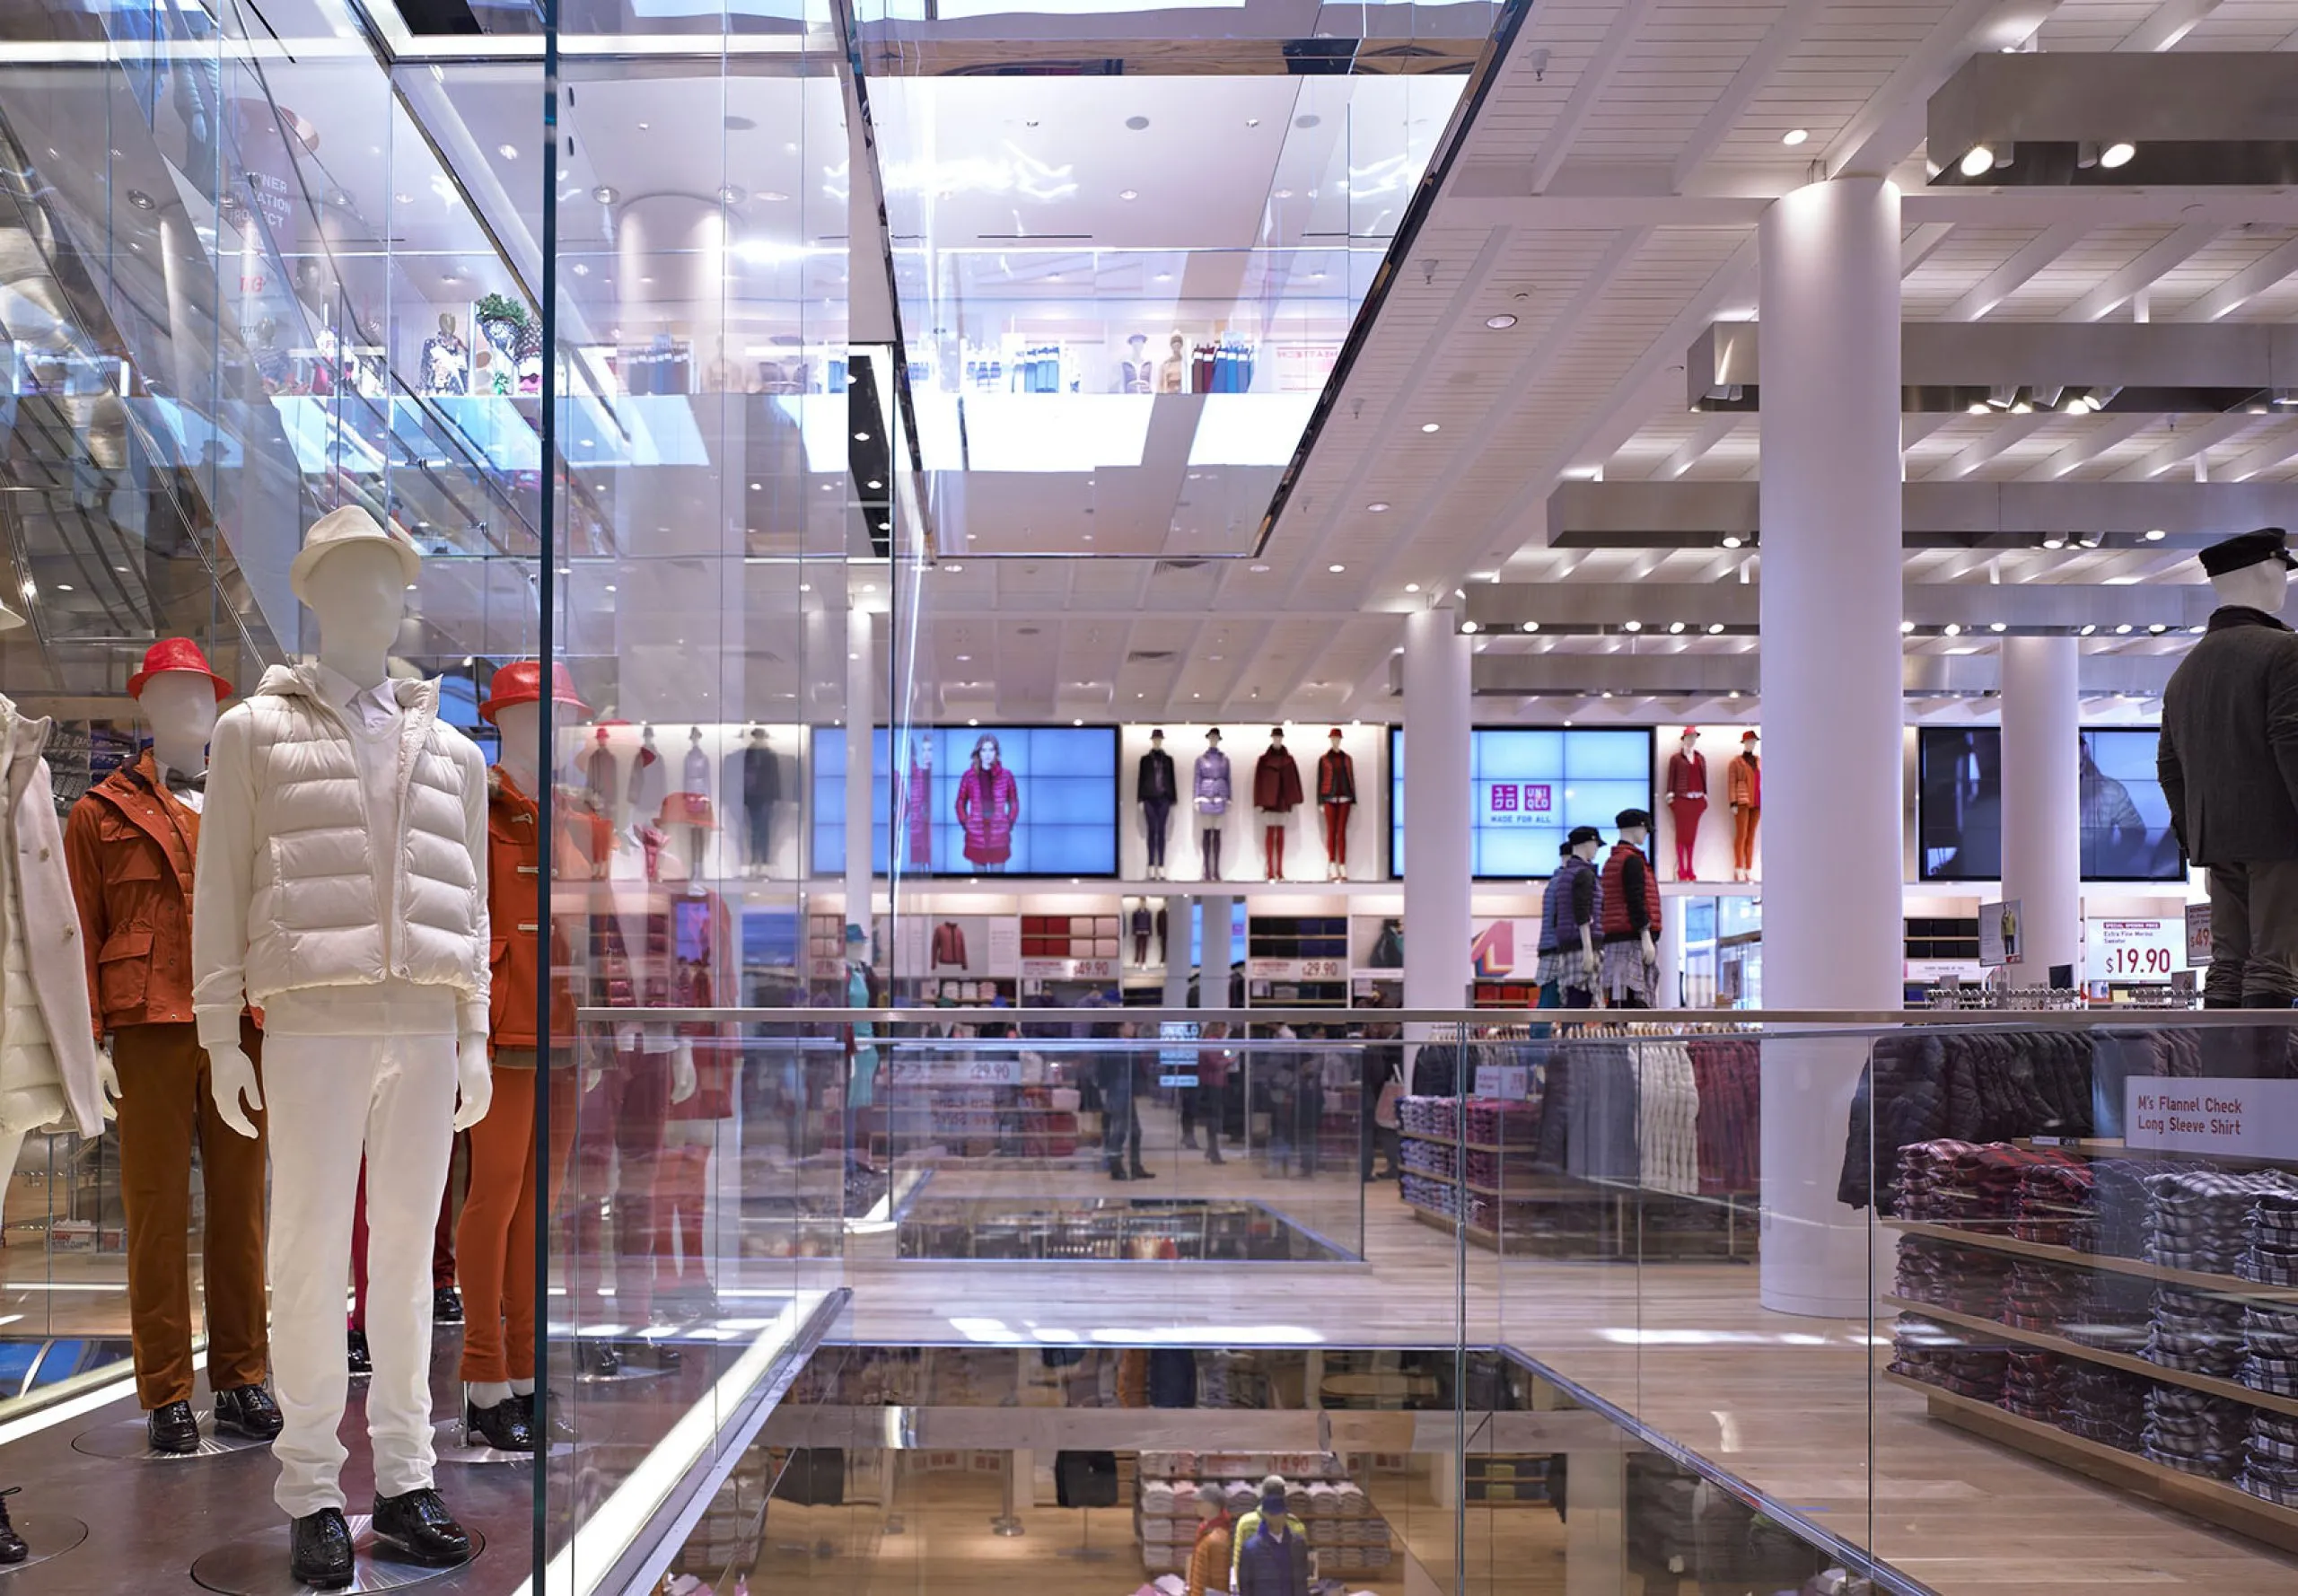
(318, 1549)
(13, 1548)
(1140, 1174)
(652, 1355)
(419, 1525)
(248, 1410)
(172, 1427)
(597, 1359)
(554, 1429)
(502, 1427)
(355, 1343)
(446, 1307)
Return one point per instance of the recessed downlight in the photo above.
(2154, 534)
(1467, 626)
(1432, 427)
(1794, 135)
(1500, 323)
(1128, 194)
(1378, 506)
(1257, 569)
(508, 152)
(1531, 625)
(1632, 626)
(1412, 587)
(605, 194)
(1714, 628)
(1335, 568)
(2117, 153)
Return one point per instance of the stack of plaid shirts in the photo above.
(2120, 1207)
(2200, 1219)
(1936, 1355)
(2034, 1387)
(2270, 1459)
(2039, 1296)
(2105, 1404)
(1974, 1184)
(2054, 1202)
(1968, 1279)
(2114, 1312)
(2195, 1433)
(2270, 1348)
(2271, 1258)
(2199, 1332)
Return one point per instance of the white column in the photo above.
(1220, 950)
(1436, 694)
(861, 776)
(1670, 991)
(1177, 966)
(1832, 930)
(2042, 848)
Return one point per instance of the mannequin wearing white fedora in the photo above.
(341, 888)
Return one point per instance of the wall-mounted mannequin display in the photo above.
(494, 1241)
(1277, 793)
(1172, 371)
(2228, 758)
(1137, 373)
(686, 813)
(914, 802)
(341, 890)
(1156, 788)
(601, 782)
(1571, 920)
(446, 360)
(1336, 801)
(1629, 912)
(1687, 797)
(754, 775)
(1143, 924)
(988, 805)
(1744, 788)
(649, 779)
(1209, 785)
(131, 844)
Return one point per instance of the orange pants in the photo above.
(679, 1190)
(494, 1245)
(1744, 817)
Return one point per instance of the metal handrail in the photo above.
(1832, 1019)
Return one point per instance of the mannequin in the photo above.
(1156, 790)
(1277, 793)
(1143, 923)
(1571, 915)
(1745, 790)
(1336, 801)
(689, 809)
(754, 772)
(495, 1242)
(1629, 914)
(1210, 785)
(1134, 373)
(2230, 773)
(130, 844)
(1269, 1547)
(988, 807)
(914, 802)
(376, 1031)
(1172, 371)
(1687, 794)
(647, 780)
(1208, 1557)
(446, 363)
(602, 786)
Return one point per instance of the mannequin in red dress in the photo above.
(1687, 793)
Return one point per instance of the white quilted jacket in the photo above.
(288, 898)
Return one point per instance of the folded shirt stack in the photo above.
(1324, 1501)
(1935, 1181)
(1926, 1351)
(2104, 1403)
(2199, 1332)
(1353, 1503)
(2271, 1258)
(2033, 1387)
(2040, 1296)
(2113, 1311)
(2270, 1459)
(2120, 1206)
(2055, 1202)
(2200, 1219)
(1946, 1275)
(2195, 1433)
(1157, 1497)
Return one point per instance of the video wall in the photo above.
(979, 800)
(1528, 787)
(2123, 820)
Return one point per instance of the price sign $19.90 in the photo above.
(2133, 950)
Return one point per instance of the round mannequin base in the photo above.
(448, 1442)
(48, 1534)
(128, 1438)
(257, 1566)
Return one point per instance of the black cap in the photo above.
(1632, 817)
(1581, 834)
(2249, 548)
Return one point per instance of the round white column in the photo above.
(2042, 847)
(1832, 926)
(861, 774)
(1219, 952)
(1178, 909)
(1436, 812)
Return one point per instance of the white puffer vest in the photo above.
(313, 918)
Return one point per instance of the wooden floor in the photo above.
(1782, 1401)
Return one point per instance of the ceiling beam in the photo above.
(2151, 267)
(1787, 31)
(2264, 273)
(1502, 608)
(2014, 274)
(1890, 124)
(2264, 457)
(2008, 434)
(1699, 514)
(2102, 436)
(1609, 53)
(1711, 431)
(2185, 445)
(2171, 21)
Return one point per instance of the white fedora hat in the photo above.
(339, 528)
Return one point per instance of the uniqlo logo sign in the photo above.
(1517, 802)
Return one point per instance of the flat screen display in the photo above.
(1528, 786)
(976, 801)
(2124, 821)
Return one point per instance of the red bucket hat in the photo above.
(520, 682)
(175, 654)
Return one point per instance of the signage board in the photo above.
(2228, 1118)
(2136, 948)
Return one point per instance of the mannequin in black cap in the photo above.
(2228, 759)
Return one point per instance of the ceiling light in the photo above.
(1997, 626)
(861, 437)
(972, 722)
(1714, 627)
(581, 270)
(953, 569)
(1633, 626)
(2123, 630)
(1906, 626)
(1500, 323)
(1336, 569)
(2117, 153)
(508, 152)
(2154, 534)
(1675, 628)
(2022, 408)
(1952, 629)
(1794, 135)
(1378, 506)
(643, 126)
(2054, 541)
(965, 659)
(2086, 628)
(2157, 627)
(1076, 723)
(1412, 587)
(605, 194)
(2198, 631)
(1977, 407)
(63, 587)
(1467, 626)
(1285, 194)
(1128, 194)
(1531, 625)
(1976, 159)
(610, 587)
(1249, 122)
(1731, 540)
(1430, 426)
(1258, 570)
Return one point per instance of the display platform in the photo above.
(1109, 1229)
(130, 1438)
(257, 1566)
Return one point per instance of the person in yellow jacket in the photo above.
(1272, 1506)
(1208, 1560)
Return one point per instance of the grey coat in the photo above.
(2228, 757)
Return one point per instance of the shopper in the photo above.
(1121, 1105)
(1379, 1063)
(1205, 1104)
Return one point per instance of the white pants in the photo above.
(326, 1095)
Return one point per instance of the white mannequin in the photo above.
(1638, 838)
(2265, 586)
(1586, 852)
(359, 594)
(627, 870)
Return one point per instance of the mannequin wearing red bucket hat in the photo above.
(130, 844)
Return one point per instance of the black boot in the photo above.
(318, 1549)
(446, 1307)
(597, 1359)
(418, 1523)
(1140, 1174)
(502, 1427)
(552, 1430)
(355, 1349)
(1117, 1171)
(172, 1427)
(13, 1548)
(248, 1410)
